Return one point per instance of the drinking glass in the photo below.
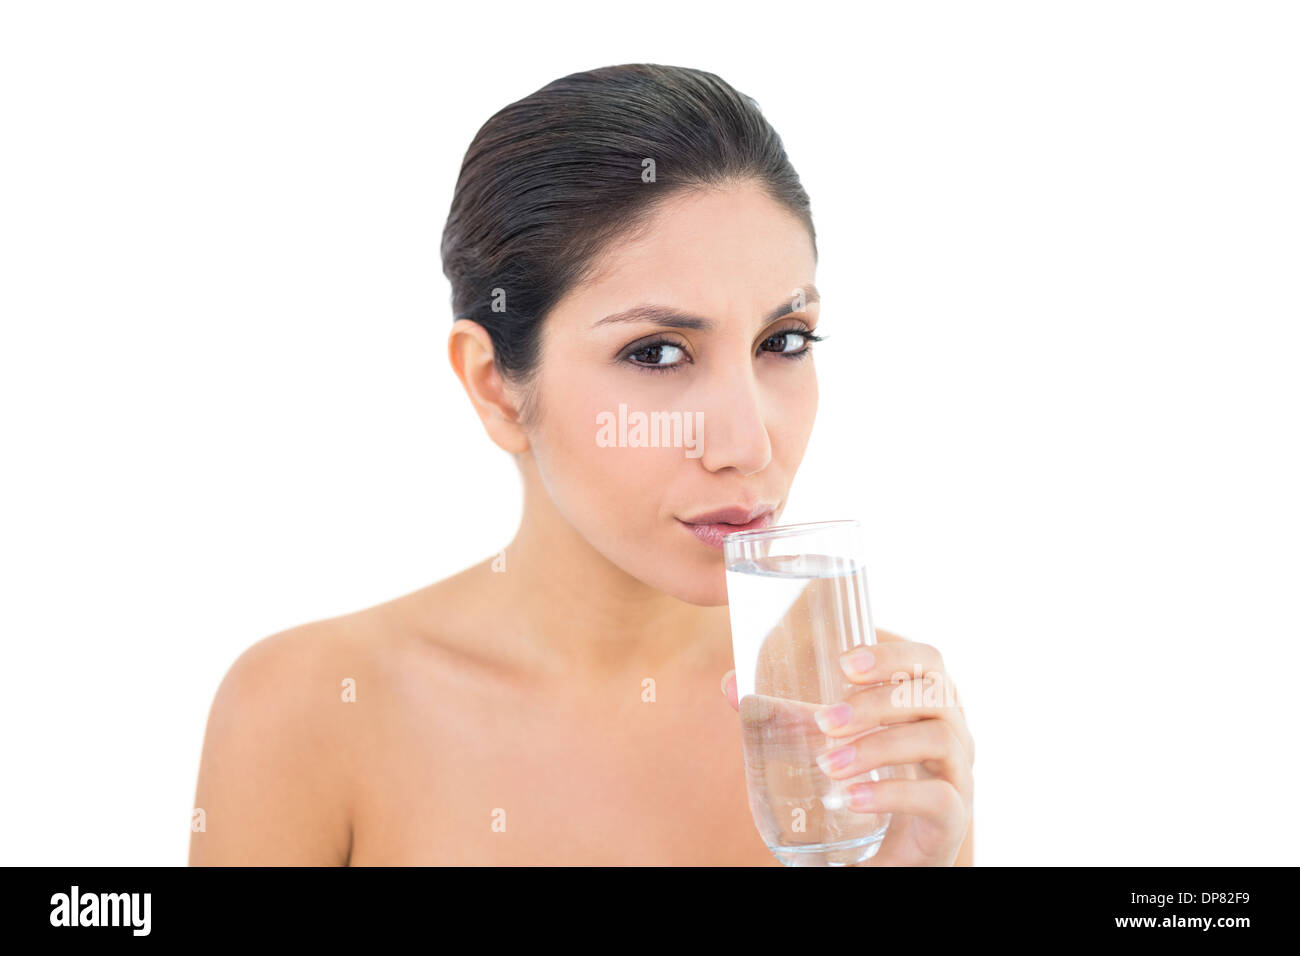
(797, 596)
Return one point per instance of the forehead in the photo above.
(715, 251)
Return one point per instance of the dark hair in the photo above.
(552, 179)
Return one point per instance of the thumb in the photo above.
(729, 689)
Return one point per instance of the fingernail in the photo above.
(828, 718)
(725, 678)
(862, 797)
(859, 662)
(837, 759)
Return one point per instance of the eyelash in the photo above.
(806, 334)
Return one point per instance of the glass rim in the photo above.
(783, 530)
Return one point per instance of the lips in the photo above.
(712, 526)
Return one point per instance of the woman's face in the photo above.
(728, 400)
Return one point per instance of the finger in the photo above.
(890, 661)
(934, 800)
(932, 744)
(895, 703)
(729, 689)
(882, 661)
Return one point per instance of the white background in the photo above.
(1059, 248)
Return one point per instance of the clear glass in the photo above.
(797, 595)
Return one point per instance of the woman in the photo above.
(630, 236)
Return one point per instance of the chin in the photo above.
(688, 578)
(703, 594)
(678, 566)
(699, 582)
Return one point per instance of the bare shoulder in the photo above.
(278, 758)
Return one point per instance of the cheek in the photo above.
(598, 486)
(793, 412)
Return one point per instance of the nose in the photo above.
(734, 432)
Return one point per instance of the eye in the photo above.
(661, 356)
(790, 343)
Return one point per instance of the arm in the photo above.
(271, 781)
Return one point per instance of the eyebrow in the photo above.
(665, 315)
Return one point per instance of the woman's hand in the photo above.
(910, 705)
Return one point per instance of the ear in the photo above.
(472, 357)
